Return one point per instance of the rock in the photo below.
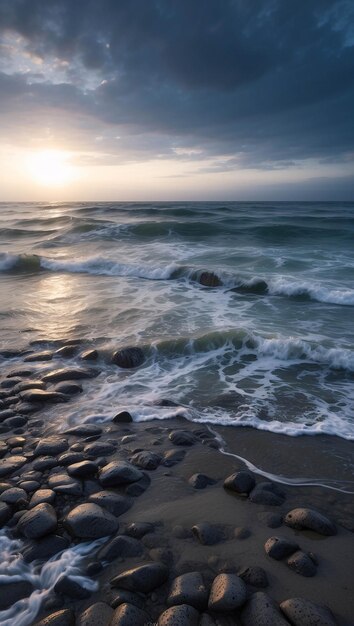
(128, 357)
(11, 592)
(29, 486)
(267, 493)
(278, 548)
(172, 457)
(66, 351)
(129, 615)
(272, 520)
(114, 503)
(99, 448)
(143, 578)
(209, 279)
(122, 418)
(89, 355)
(146, 460)
(84, 430)
(46, 355)
(45, 548)
(13, 495)
(68, 388)
(303, 518)
(14, 442)
(62, 483)
(5, 513)
(41, 496)
(51, 446)
(65, 617)
(200, 481)
(69, 458)
(11, 464)
(40, 395)
(123, 596)
(68, 587)
(255, 576)
(302, 564)
(302, 612)
(261, 610)
(44, 463)
(67, 373)
(228, 592)
(139, 529)
(90, 521)
(31, 384)
(182, 615)
(188, 589)
(99, 614)
(241, 533)
(137, 488)
(241, 482)
(83, 469)
(14, 422)
(38, 522)
(120, 546)
(208, 534)
(182, 438)
(119, 473)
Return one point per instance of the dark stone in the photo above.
(267, 493)
(209, 279)
(200, 481)
(40, 395)
(261, 610)
(68, 388)
(30, 485)
(122, 418)
(99, 448)
(128, 357)
(68, 373)
(62, 483)
(278, 548)
(5, 513)
(188, 589)
(65, 617)
(120, 546)
(46, 355)
(208, 534)
(15, 422)
(182, 438)
(143, 578)
(44, 463)
(172, 457)
(124, 596)
(303, 518)
(241, 482)
(13, 495)
(302, 564)
(302, 612)
(137, 489)
(272, 520)
(84, 430)
(31, 384)
(69, 458)
(93, 568)
(68, 587)
(99, 614)
(90, 521)
(45, 548)
(89, 355)
(181, 615)
(129, 615)
(146, 460)
(119, 473)
(139, 529)
(114, 503)
(228, 592)
(38, 522)
(10, 593)
(66, 351)
(83, 469)
(51, 446)
(255, 576)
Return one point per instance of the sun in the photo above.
(51, 168)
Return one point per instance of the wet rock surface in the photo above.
(303, 518)
(301, 612)
(143, 578)
(228, 592)
(90, 521)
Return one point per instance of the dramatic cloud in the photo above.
(252, 84)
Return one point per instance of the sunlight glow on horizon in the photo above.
(50, 168)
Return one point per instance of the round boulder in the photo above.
(228, 592)
(128, 357)
(309, 519)
(38, 522)
(90, 521)
(301, 612)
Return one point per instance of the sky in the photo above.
(176, 99)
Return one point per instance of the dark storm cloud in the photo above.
(260, 82)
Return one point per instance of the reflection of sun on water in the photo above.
(54, 301)
(51, 168)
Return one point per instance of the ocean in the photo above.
(269, 345)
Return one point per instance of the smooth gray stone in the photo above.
(40, 395)
(123, 417)
(5, 513)
(46, 355)
(208, 534)
(129, 615)
(138, 488)
(68, 587)
(143, 578)
(228, 592)
(303, 518)
(255, 576)
(172, 457)
(123, 596)
(120, 546)
(11, 592)
(188, 589)
(40, 496)
(99, 448)
(51, 446)
(45, 548)
(182, 438)
(261, 610)
(182, 615)
(68, 388)
(119, 473)
(13, 495)
(302, 564)
(68, 373)
(18, 421)
(69, 458)
(146, 460)
(62, 483)
(89, 355)
(200, 481)
(38, 522)
(84, 430)
(90, 521)
(139, 529)
(301, 612)
(241, 482)
(30, 384)
(99, 614)
(267, 493)
(64, 617)
(128, 357)
(66, 351)
(44, 463)
(114, 503)
(278, 548)
(82, 469)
